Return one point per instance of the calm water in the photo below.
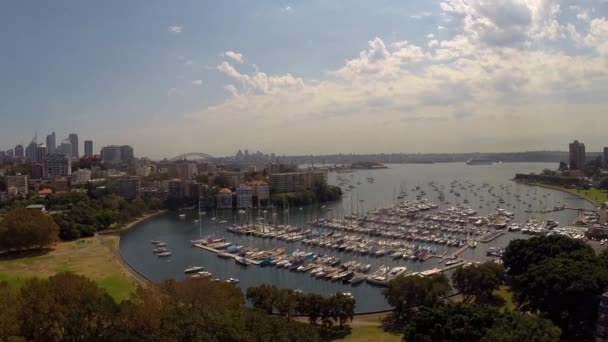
(136, 248)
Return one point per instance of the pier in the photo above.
(216, 251)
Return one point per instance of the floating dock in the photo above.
(216, 251)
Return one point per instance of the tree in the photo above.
(286, 302)
(564, 290)
(603, 184)
(10, 306)
(451, 322)
(478, 280)
(311, 305)
(344, 307)
(65, 307)
(262, 297)
(517, 327)
(23, 229)
(522, 253)
(406, 294)
(218, 295)
(563, 166)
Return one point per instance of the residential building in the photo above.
(88, 148)
(114, 154)
(224, 199)
(19, 183)
(80, 176)
(41, 152)
(606, 157)
(60, 184)
(143, 171)
(19, 153)
(577, 155)
(129, 187)
(36, 207)
(286, 182)
(244, 196)
(149, 193)
(74, 140)
(177, 189)
(193, 190)
(315, 176)
(186, 170)
(261, 190)
(65, 148)
(37, 170)
(57, 165)
(234, 178)
(51, 142)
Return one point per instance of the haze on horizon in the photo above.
(312, 77)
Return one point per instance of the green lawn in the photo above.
(117, 286)
(505, 294)
(366, 333)
(89, 257)
(598, 196)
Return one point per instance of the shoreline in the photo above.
(135, 223)
(134, 273)
(559, 188)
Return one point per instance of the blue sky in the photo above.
(306, 76)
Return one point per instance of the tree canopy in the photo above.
(478, 280)
(23, 229)
(406, 293)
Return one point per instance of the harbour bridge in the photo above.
(192, 155)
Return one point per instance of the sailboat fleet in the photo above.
(408, 229)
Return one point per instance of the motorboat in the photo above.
(193, 269)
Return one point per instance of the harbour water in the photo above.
(479, 187)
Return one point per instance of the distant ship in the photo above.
(480, 161)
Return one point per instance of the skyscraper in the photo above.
(31, 151)
(19, 151)
(74, 141)
(117, 154)
(65, 148)
(41, 151)
(51, 142)
(577, 155)
(88, 148)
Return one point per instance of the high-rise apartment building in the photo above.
(88, 148)
(129, 187)
(17, 184)
(577, 155)
(606, 156)
(80, 176)
(244, 195)
(41, 151)
(177, 189)
(57, 165)
(187, 170)
(65, 148)
(51, 142)
(117, 154)
(74, 141)
(19, 153)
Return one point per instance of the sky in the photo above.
(306, 77)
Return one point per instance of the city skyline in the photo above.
(438, 76)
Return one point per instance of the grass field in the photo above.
(91, 257)
(507, 297)
(370, 333)
(598, 196)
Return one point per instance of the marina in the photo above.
(407, 219)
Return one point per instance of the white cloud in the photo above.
(237, 57)
(175, 29)
(493, 81)
(197, 82)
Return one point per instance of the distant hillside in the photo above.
(506, 157)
